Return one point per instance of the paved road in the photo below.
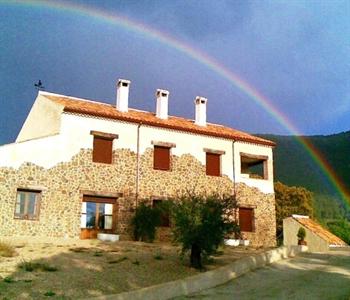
(308, 276)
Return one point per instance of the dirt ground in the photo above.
(85, 268)
(307, 276)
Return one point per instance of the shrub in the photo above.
(98, 253)
(200, 224)
(8, 279)
(158, 256)
(7, 250)
(30, 266)
(301, 234)
(49, 294)
(144, 223)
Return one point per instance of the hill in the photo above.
(293, 164)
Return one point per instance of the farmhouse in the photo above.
(79, 167)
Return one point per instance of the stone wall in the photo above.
(63, 186)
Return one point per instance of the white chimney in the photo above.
(162, 104)
(201, 111)
(123, 95)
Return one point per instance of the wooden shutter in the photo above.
(161, 158)
(246, 217)
(213, 164)
(102, 150)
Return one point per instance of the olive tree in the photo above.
(201, 223)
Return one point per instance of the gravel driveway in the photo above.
(308, 276)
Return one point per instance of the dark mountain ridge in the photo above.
(294, 165)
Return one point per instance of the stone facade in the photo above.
(63, 186)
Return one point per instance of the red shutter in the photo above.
(102, 150)
(246, 219)
(161, 158)
(213, 164)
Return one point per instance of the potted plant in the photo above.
(301, 236)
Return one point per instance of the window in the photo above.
(97, 215)
(161, 158)
(254, 166)
(102, 147)
(27, 204)
(164, 213)
(246, 219)
(213, 164)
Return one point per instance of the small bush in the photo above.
(30, 266)
(158, 256)
(49, 294)
(7, 250)
(8, 279)
(98, 253)
(136, 262)
(48, 268)
(144, 223)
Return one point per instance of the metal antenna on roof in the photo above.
(39, 86)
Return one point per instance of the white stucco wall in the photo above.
(43, 119)
(75, 135)
(45, 152)
(264, 185)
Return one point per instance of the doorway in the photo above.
(98, 214)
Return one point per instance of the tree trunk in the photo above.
(196, 259)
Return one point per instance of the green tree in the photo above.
(291, 200)
(144, 222)
(200, 224)
(340, 228)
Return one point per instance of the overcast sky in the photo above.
(295, 53)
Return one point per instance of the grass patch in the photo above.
(49, 294)
(7, 250)
(98, 253)
(136, 262)
(8, 279)
(117, 261)
(30, 266)
(158, 256)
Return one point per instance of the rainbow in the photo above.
(203, 59)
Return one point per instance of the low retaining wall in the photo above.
(206, 280)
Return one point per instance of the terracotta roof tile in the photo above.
(321, 232)
(99, 109)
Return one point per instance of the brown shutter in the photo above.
(102, 150)
(246, 219)
(161, 158)
(213, 164)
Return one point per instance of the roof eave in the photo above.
(168, 126)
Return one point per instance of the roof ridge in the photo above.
(71, 104)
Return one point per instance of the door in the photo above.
(97, 216)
